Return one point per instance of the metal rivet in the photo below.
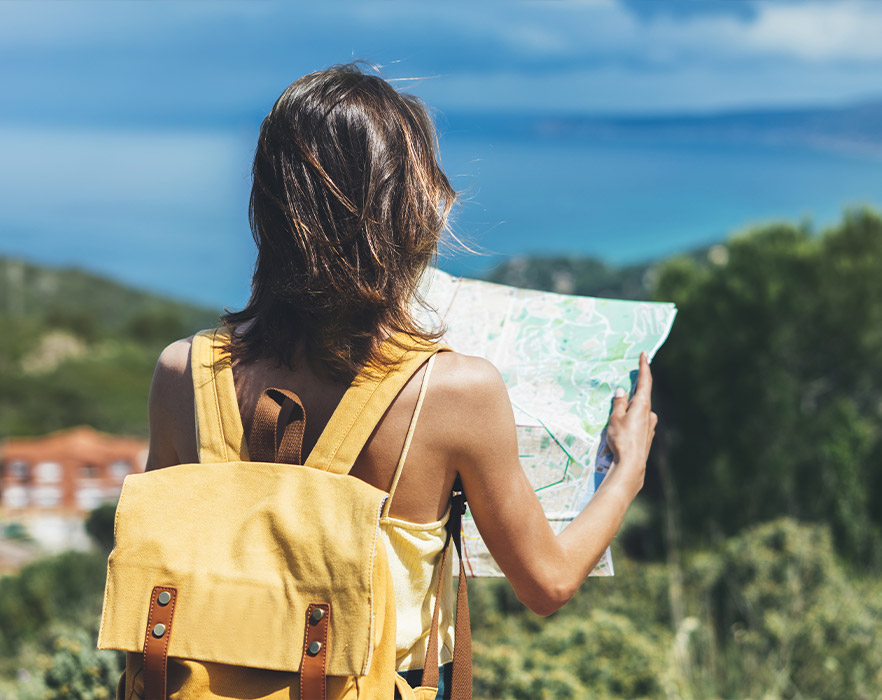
(317, 615)
(314, 648)
(164, 598)
(158, 630)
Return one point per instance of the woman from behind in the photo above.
(347, 209)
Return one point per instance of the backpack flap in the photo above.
(247, 554)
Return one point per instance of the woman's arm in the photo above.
(171, 410)
(544, 569)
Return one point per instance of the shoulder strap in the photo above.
(363, 404)
(219, 433)
(410, 430)
(461, 681)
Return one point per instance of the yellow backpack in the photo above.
(233, 578)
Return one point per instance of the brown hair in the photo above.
(348, 204)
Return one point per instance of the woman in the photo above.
(347, 207)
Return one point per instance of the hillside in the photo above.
(79, 348)
(28, 290)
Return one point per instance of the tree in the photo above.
(99, 525)
(770, 386)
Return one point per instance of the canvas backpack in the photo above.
(253, 576)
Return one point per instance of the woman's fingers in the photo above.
(620, 403)
(630, 432)
(642, 396)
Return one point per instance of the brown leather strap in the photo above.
(159, 628)
(315, 652)
(277, 427)
(461, 683)
(430, 665)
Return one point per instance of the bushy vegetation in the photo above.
(749, 565)
(771, 614)
(770, 397)
(60, 589)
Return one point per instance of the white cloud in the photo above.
(819, 31)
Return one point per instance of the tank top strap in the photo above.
(410, 430)
(365, 403)
(220, 436)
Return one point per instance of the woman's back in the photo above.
(422, 494)
(413, 525)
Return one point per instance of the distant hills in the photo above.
(852, 127)
(77, 348)
(29, 290)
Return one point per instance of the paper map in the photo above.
(562, 358)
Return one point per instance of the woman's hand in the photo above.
(631, 429)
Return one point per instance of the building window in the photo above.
(46, 496)
(120, 469)
(15, 497)
(48, 472)
(17, 469)
(90, 471)
(89, 498)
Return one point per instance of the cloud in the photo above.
(819, 31)
(223, 63)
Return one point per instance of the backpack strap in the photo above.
(219, 433)
(365, 403)
(277, 429)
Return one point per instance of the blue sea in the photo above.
(635, 194)
(168, 211)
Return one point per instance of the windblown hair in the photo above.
(348, 204)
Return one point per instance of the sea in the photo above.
(167, 212)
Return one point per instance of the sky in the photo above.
(124, 125)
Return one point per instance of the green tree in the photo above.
(99, 525)
(770, 386)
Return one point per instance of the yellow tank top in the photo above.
(414, 550)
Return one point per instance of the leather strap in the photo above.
(159, 628)
(315, 652)
(461, 683)
(277, 428)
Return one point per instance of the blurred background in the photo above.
(723, 155)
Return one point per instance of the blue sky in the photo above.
(123, 125)
(172, 63)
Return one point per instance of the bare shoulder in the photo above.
(172, 419)
(172, 379)
(174, 361)
(469, 400)
(467, 380)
